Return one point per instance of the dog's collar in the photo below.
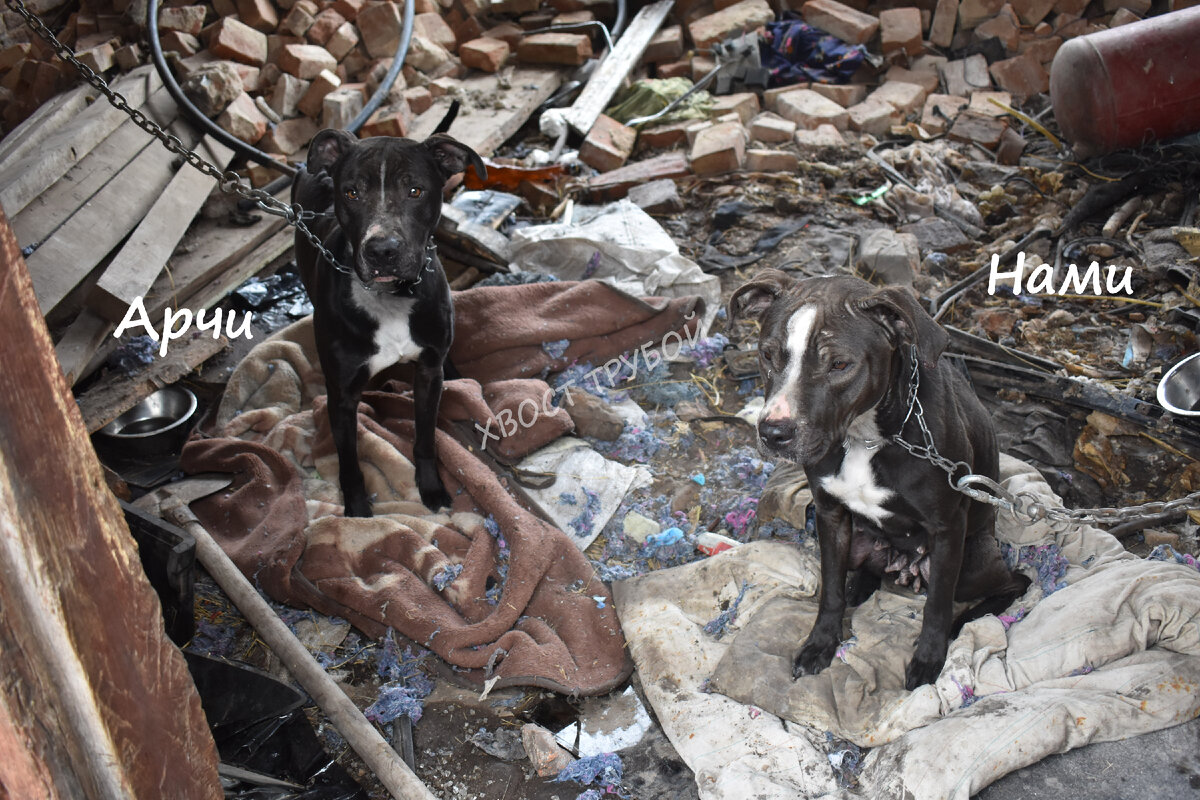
(912, 405)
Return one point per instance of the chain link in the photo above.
(1027, 507)
(228, 182)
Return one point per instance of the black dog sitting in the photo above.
(381, 199)
(837, 356)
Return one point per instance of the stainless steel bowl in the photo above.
(1179, 389)
(157, 425)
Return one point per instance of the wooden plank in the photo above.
(111, 398)
(617, 65)
(79, 344)
(142, 257)
(48, 118)
(510, 104)
(27, 177)
(100, 224)
(46, 212)
(94, 693)
(268, 254)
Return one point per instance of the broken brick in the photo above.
(426, 55)
(927, 79)
(744, 104)
(185, 19)
(182, 43)
(762, 160)
(840, 20)
(607, 145)
(391, 121)
(306, 61)
(258, 14)
(904, 97)
(298, 20)
(666, 45)
(662, 136)
(900, 31)
(243, 120)
(349, 8)
(875, 117)
(675, 69)
(340, 106)
(616, 184)
(289, 136)
(571, 49)
(380, 27)
(973, 12)
(232, 39)
(742, 17)
(985, 131)
(343, 41)
(313, 100)
(945, 18)
(419, 99)
(286, 94)
(1123, 16)
(1022, 76)
(939, 111)
(719, 148)
(660, 197)
(771, 128)
(825, 137)
(770, 98)
(1031, 12)
(808, 109)
(484, 54)
(324, 26)
(1004, 26)
(845, 95)
(966, 76)
(1012, 145)
(434, 28)
(981, 103)
(506, 32)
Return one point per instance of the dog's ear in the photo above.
(898, 311)
(753, 298)
(327, 148)
(452, 156)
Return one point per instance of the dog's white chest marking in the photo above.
(393, 341)
(799, 337)
(854, 483)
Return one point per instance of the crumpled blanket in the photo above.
(501, 595)
(1103, 646)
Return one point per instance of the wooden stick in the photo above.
(393, 773)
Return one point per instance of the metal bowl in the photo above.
(1179, 389)
(157, 425)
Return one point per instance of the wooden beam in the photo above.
(49, 117)
(617, 65)
(99, 225)
(133, 271)
(94, 696)
(511, 101)
(27, 177)
(49, 210)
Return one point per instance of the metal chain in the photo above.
(1026, 507)
(228, 182)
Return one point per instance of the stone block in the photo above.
(212, 88)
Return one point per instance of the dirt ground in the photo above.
(1103, 448)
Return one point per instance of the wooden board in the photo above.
(617, 65)
(49, 117)
(27, 177)
(46, 212)
(96, 701)
(100, 224)
(485, 127)
(79, 344)
(266, 255)
(139, 261)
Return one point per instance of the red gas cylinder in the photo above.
(1130, 85)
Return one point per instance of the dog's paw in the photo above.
(435, 498)
(922, 671)
(814, 657)
(358, 507)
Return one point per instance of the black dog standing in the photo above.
(839, 358)
(380, 201)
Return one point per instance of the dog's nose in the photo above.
(381, 251)
(777, 433)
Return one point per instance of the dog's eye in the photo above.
(415, 191)
(839, 365)
(351, 194)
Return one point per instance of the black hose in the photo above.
(250, 152)
(619, 24)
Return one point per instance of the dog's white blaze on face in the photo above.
(854, 484)
(383, 180)
(799, 337)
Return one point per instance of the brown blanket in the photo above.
(492, 589)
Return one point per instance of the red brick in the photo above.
(966, 76)
(874, 117)
(286, 94)
(1031, 12)
(486, 54)
(349, 8)
(662, 136)
(177, 42)
(981, 103)
(1044, 49)
(419, 99)
(744, 104)
(571, 49)
(808, 109)
(243, 119)
(927, 79)
(128, 57)
(607, 145)
(675, 69)
(466, 30)
(380, 26)
(185, 19)
(298, 20)
(340, 107)
(745, 16)
(426, 55)
(1123, 16)
(249, 76)
(701, 66)
(14, 54)
(770, 98)
(939, 107)
(229, 38)
(616, 184)
(323, 27)
(840, 20)
(506, 32)
(306, 61)
(390, 121)
(973, 12)
(100, 59)
(258, 14)
(1022, 76)
(771, 128)
(758, 160)
(985, 131)
(443, 86)
(1073, 7)
(573, 17)
(693, 128)
(434, 28)
(311, 103)
(844, 94)
(900, 31)
(666, 45)
(720, 148)
(945, 17)
(277, 41)
(1004, 26)
(904, 97)
(289, 136)
(823, 138)
(343, 41)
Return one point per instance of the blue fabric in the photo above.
(795, 52)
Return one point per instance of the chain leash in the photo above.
(1026, 506)
(228, 182)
